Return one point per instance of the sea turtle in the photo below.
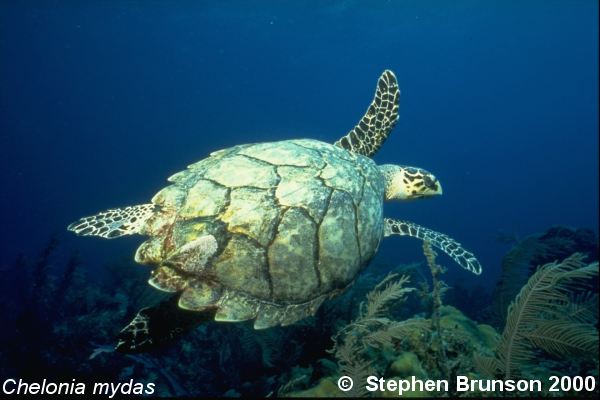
(268, 231)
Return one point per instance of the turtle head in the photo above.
(407, 183)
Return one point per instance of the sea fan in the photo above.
(539, 318)
(565, 338)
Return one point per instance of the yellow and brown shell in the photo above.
(290, 223)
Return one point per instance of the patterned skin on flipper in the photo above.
(159, 325)
(464, 258)
(114, 223)
(379, 120)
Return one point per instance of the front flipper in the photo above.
(464, 258)
(159, 325)
(379, 120)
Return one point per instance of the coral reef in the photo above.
(55, 320)
(438, 346)
(552, 320)
(556, 244)
(62, 318)
(545, 316)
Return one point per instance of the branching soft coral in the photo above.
(541, 317)
(371, 327)
(556, 244)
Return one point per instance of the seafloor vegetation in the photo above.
(542, 320)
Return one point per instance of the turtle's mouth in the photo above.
(422, 196)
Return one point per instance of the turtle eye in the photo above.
(429, 183)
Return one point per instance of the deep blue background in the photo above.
(100, 101)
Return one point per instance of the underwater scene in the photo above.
(299, 198)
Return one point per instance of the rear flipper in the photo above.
(159, 325)
(114, 223)
(464, 258)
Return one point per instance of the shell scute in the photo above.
(325, 149)
(150, 252)
(242, 266)
(292, 258)
(167, 279)
(370, 222)
(204, 199)
(199, 296)
(170, 197)
(284, 153)
(252, 212)
(339, 256)
(300, 187)
(344, 176)
(234, 307)
(239, 171)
